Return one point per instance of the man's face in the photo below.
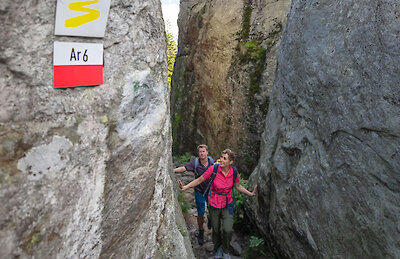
(225, 160)
(203, 153)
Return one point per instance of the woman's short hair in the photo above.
(202, 146)
(230, 153)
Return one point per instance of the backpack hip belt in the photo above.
(226, 196)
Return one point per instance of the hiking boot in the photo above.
(200, 237)
(226, 256)
(218, 254)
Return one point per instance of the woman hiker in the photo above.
(221, 201)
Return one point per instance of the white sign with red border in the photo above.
(82, 18)
(77, 64)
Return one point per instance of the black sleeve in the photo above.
(190, 166)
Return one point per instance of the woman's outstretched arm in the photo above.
(192, 184)
(241, 189)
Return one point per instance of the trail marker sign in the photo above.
(77, 64)
(82, 18)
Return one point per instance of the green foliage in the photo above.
(182, 230)
(183, 159)
(36, 238)
(254, 50)
(185, 205)
(172, 50)
(246, 22)
(176, 117)
(251, 52)
(255, 242)
(31, 241)
(257, 248)
(239, 214)
(176, 122)
(254, 54)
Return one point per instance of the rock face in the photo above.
(328, 177)
(223, 73)
(84, 172)
(199, 91)
(252, 74)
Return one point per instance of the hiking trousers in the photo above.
(222, 224)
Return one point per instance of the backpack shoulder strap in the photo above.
(196, 164)
(235, 174)
(211, 160)
(215, 170)
(212, 177)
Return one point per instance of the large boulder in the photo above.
(328, 176)
(84, 172)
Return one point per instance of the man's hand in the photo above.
(179, 169)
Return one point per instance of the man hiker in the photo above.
(199, 165)
(224, 177)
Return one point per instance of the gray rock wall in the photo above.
(328, 176)
(84, 172)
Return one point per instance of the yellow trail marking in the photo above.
(91, 15)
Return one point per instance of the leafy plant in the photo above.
(239, 214)
(257, 248)
(185, 205)
(183, 159)
(255, 242)
(172, 50)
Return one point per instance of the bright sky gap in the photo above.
(170, 9)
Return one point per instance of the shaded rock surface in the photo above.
(205, 49)
(328, 176)
(84, 172)
(224, 71)
(252, 74)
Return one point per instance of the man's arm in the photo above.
(180, 169)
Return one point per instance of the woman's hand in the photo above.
(241, 189)
(192, 184)
(253, 193)
(181, 185)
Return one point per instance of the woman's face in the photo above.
(225, 161)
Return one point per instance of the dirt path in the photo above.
(205, 250)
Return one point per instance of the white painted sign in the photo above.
(82, 18)
(74, 53)
(77, 64)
